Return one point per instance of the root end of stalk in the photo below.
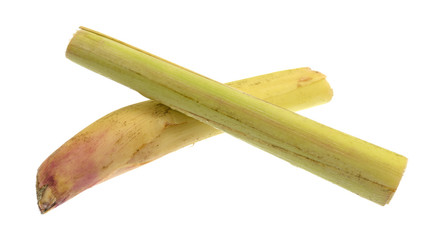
(45, 198)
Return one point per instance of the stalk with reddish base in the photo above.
(140, 133)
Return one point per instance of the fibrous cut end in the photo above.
(45, 199)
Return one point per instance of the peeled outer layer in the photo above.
(142, 132)
(363, 168)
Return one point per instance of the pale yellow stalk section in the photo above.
(137, 134)
(363, 168)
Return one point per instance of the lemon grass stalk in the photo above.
(140, 133)
(363, 168)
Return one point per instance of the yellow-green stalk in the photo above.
(363, 168)
(142, 132)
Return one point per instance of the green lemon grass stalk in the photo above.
(363, 168)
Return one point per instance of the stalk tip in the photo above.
(45, 198)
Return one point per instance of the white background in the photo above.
(384, 60)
